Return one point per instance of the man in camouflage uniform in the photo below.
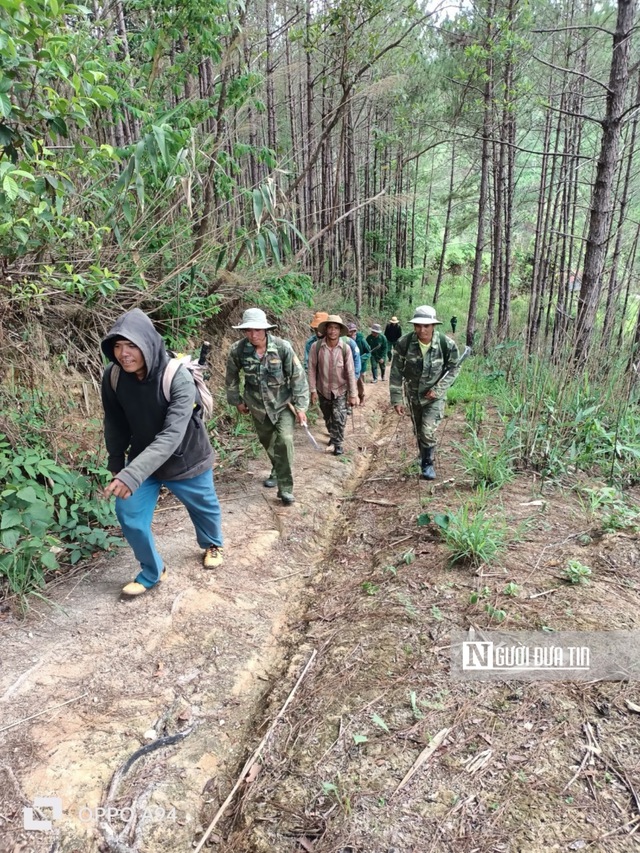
(420, 361)
(273, 382)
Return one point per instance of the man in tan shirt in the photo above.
(332, 378)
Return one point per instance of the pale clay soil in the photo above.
(202, 650)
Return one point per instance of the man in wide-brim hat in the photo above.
(379, 347)
(420, 362)
(273, 382)
(332, 378)
(393, 333)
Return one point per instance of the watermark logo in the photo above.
(91, 814)
(539, 656)
(39, 803)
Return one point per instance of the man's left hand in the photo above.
(431, 394)
(353, 402)
(118, 488)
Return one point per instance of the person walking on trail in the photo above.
(332, 379)
(274, 384)
(318, 318)
(365, 354)
(420, 362)
(154, 442)
(393, 333)
(379, 348)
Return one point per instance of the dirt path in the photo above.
(201, 651)
(349, 575)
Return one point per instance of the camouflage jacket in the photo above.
(421, 375)
(270, 382)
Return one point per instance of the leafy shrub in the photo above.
(48, 513)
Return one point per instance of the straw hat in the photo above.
(254, 318)
(425, 315)
(318, 318)
(393, 320)
(333, 318)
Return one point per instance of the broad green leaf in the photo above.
(258, 206)
(158, 132)
(275, 248)
(10, 538)
(11, 518)
(48, 560)
(28, 494)
(262, 247)
(5, 105)
(10, 187)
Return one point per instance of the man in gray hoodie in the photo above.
(154, 442)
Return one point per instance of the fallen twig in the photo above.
(425, 755)
(256, 755)
(40, 713)
(546, 592)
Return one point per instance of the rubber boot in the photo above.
(428, 471)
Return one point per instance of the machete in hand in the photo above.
(305, 425)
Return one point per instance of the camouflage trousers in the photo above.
(334, 412)
(277, 440)
(426, 415)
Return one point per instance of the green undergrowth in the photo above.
(554, 419)
(52, 514)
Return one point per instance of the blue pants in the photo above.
(135, 515)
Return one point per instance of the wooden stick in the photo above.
(426, 753)
(39, 713)
(256, 755)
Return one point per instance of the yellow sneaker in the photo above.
(134, 589)
(212, 557)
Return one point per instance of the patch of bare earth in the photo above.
(380, 751)
(88, 681)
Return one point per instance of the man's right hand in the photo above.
(243, 408)
(314, 398)
(399, 410)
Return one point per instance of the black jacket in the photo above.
(165, 439)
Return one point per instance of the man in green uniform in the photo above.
(420, 362)
(273, 382)
(379, 347)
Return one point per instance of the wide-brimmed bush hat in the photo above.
(352, 327)
(376, 328)
(333, 318)
(425, 315)
(318, 317)
(254, 318)
(393, 320)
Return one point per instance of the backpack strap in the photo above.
(114, 375)
(167, 377)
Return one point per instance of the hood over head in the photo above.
(136, 327)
